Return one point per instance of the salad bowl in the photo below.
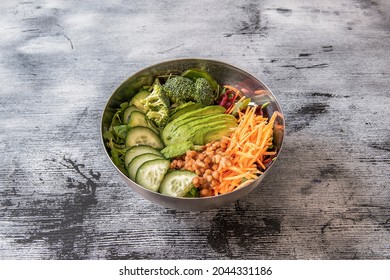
(224, 74)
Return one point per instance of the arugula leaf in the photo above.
(120, 131)
(115, 138)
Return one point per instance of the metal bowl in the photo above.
(224, 74)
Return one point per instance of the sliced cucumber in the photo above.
(177, 183)
(143, 136)
(139, 150)
(138, 161)
(139, 119)
(127, 113)
(136, 100)
(151, 173)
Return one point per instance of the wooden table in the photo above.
(327, 196)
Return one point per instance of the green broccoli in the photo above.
(204, 94)
(157, 98)
(157, 104)
(180, 89)
(160, 117)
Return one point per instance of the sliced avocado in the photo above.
(177, 149)
(168, 133)
(217, 133)
(185, 108)
(197, 130)
(198, 113)
(169, 130)
(212, 133)
(189, 126)
(208, 110)
(195, 121)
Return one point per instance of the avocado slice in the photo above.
(167, 133)
(196, 131)
(200, 119)
(184, 118)
(188, 128)
(213, 132)
(217, 133)
(185, 108)
(177, 149)
(208, 110)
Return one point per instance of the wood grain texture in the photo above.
(327, 196)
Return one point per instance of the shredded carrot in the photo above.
(234, 105)
(233, 89)
(240, 176)
(261, 164)
(248, 147)
(231, 108)
(245, 183)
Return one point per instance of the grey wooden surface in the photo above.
(327, 196)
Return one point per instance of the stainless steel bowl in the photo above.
(225, 74)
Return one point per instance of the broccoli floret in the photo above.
(160, 117)
(204, 93)
(157, 104)
(180, 89)
(157, 98)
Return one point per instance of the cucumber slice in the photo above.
(143, 136)
(138, 161)
(177, 183)
(136, 100)
(127, 113)
(151, 173)
(139, 119)
(139, 150)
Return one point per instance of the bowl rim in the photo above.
(151, 66)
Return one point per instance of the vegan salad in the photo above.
(188, 136)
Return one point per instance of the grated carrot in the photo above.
(233, 106)
(240, 176)
(233, 89)
(248, 145)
